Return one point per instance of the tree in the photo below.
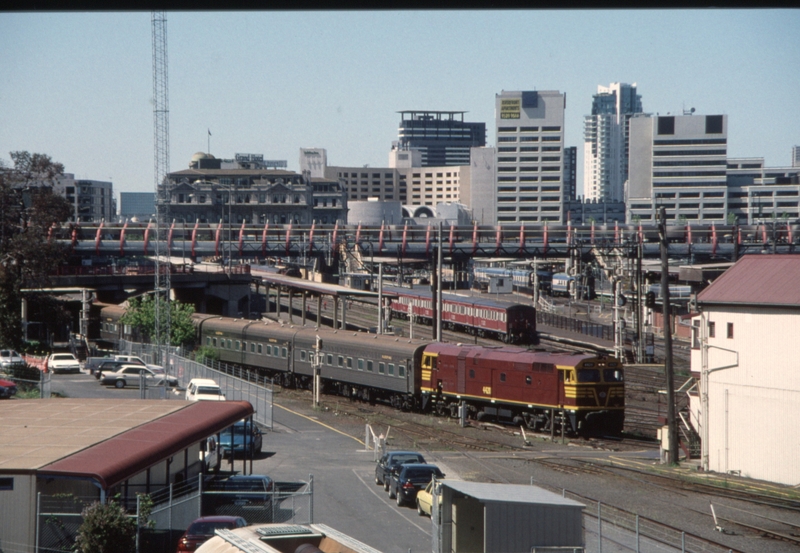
(28, 211)
(141, 315)
(106, 528)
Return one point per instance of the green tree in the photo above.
(28, 211)
(106, 528)
(141, 315)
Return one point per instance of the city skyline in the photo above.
(79, 85)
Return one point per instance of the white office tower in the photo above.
(530, 143)
(795, 156)
(606, 141)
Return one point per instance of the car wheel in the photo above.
(399, 499)
(420, 512)
(386, 485)
(377, 481)
(392, 495)
(119, 383)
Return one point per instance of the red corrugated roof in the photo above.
(114, 460)
(757, 279)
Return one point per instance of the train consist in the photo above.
(522, 280)
(579, 393)
(512, 323)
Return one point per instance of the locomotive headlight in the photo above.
(602, 394)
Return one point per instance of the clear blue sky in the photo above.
(78, 86)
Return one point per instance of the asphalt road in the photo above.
(345, 494)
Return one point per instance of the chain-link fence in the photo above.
(237, 384)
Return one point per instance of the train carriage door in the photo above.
(461, 369)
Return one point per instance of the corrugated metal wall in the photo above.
(514, 527)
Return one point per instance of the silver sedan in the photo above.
(131, 375)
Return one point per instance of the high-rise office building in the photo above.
(606, 141)
(678, 162)
(530, 165)
(442, 137)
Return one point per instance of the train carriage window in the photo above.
(382, 368)
(208, 340)
(341, 361)
(252, 347)
(527, 379)
(230, 345)
(260, 348)
(360, 364)
(369, 365)
(238, 345)
(502, 377)
(330, 359)
(472, 373)
(269, 349)
(244, 347)
(283, 352)
(401, 371)
(588, 375)
(302, 355)
(612, 375)
(391, 369)
(349, 362)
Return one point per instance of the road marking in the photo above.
(320, 423)
(371, 488)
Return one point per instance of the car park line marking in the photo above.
(320, 423)
(371, 488)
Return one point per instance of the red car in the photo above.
(202, 530)
(7, 388)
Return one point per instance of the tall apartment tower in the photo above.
(606, 141)
(678, 162)
(442, 137)
(530, 143)
(795, 156)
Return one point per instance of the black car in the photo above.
(391, 459)
(248, 495)
(407, 480)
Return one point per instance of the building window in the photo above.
(712, 329)
(730, 330)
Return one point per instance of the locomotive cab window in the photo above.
(612, 375)
(588, 375)
(502, 377)
(527, 379)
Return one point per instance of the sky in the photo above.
(79, 86)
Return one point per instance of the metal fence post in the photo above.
(599, 529)
(138, 521)
(311, 497)
(637, 534)
(38, 516)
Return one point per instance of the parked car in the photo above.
(138, 361)
(202, 530)
(391, 459)
(408, 479)
(130, 375)
(9, 358)
(243, 437)
(204, 389)
(7, 389)
(93, 363)
(425, 497)
(112, 365)
(63, 362)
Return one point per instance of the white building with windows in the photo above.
(529, 168)
(606, 141)
(745, 351)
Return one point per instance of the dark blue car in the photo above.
(243, 438)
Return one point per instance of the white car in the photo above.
(130, 375)
(139, 361)
(9, 358)
(63, 362)
(204, 389)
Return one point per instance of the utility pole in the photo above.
(162, 193)
(672, 427)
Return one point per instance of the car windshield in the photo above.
(63, 357)
(400, 459)
(207, 390)
(417, 474)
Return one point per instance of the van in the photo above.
(204, 389)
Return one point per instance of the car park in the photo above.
(391, 459)
(244, 437)
(9, 358)
(408, 479)
(7, 388)
(202, 529)
(63, 362)
(425, 497)
(131, 375)
(204, 389)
